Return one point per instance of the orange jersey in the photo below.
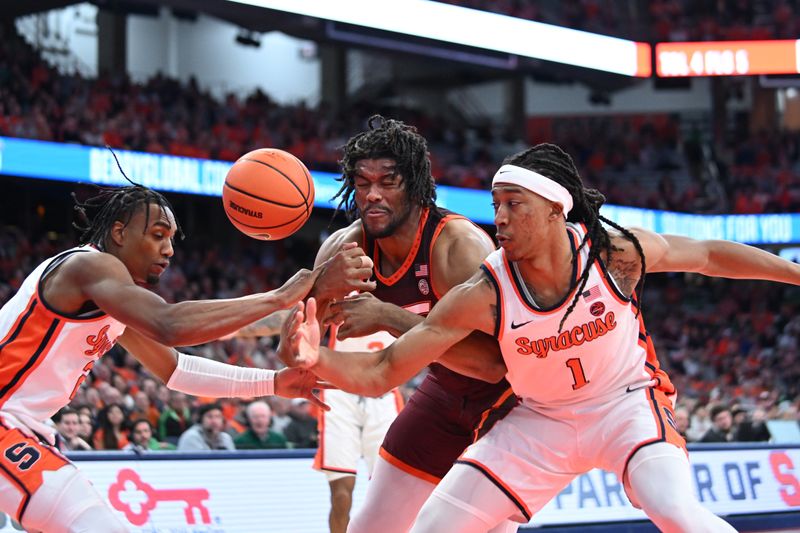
(45, 355)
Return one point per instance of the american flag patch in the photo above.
(591, 294)
(420, 270)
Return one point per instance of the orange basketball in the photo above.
(268, 194)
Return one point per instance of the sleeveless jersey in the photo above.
(45, 355)
(411, 287)
(602, 349)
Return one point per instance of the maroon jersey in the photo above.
(449, 410)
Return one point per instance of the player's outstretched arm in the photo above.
(343, 268)
(465, 308)
(718, 258)
(203, 377)
(103, 279)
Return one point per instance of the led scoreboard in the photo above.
(727, 58)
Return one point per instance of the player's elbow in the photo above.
(164, 332)
(375, 388)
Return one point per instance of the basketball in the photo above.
(268, 194)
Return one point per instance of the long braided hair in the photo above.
(114, 204)
(392, 139)
(553, 162)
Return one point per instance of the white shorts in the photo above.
(42, 490)
(353, 428)
(533, 453)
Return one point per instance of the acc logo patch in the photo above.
(597, 308)
(424, 288)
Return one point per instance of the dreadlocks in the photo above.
(553, 162)
(395, 140)
(115, 204)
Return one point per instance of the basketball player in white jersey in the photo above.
(71, 310)
(354, 426)
(561, 297)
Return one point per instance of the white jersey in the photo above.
(602, 348)
(45, 355)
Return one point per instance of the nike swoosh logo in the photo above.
(504, 172)
(640, 387)
(515, 326)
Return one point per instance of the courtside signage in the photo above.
(728, 482)
(230, 495)
(480, 29)
(727, 58)
(89, 164)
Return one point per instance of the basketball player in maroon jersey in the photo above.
(562, 296)
(419, 253)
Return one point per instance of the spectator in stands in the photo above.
(722, 425)
(142, 439)
(207, 433)
(753, 428)
(68, 425)
(142, 408)
(258, 435)
(85, 425)
(280, 413)
(699, 423)
(302, 430)
(175, 418)
(111, 433)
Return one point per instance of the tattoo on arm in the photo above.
(626, 273)
(489, 283)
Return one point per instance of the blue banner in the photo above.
(90, 164)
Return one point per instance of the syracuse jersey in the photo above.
(45, 355)
(602, 349)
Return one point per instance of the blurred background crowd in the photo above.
(730, 347)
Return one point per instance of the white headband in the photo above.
(534, 182)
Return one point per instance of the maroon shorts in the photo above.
(440, 421)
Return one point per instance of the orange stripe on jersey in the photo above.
(508, 491)
(664, 416)
(412, 253)
(26, 348)
(20, 319)
(503, 397)
(408, 469)
(319, 456)
(652, 366)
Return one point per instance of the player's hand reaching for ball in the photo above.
(347, 271)
(357, 316)
(300, 336)
(296, 288)
(300, 383)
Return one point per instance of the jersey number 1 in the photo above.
(578, 376)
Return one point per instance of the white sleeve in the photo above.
(199, 376)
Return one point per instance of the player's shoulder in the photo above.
(351, 233)
(86, 263)
(464, 232)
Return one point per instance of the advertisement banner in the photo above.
(90, 164)
(727, 58)
(245, 492)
